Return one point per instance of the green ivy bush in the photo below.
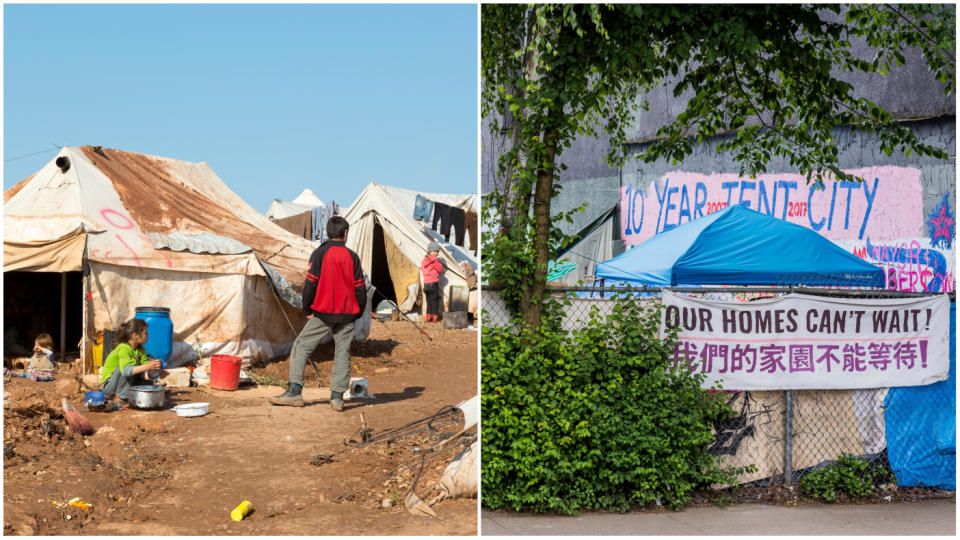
(851, 476)
(595, 419)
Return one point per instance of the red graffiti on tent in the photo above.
(127, 222)
(160, 251)
(136, 257)
(106, 256)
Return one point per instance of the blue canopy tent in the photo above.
(739, 246)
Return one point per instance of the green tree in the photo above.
(767, 72)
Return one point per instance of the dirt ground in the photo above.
(154, 473)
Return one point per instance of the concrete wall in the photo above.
(587, 179)
(908, 92)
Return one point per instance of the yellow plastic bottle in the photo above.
(98, 353)
(241, 511)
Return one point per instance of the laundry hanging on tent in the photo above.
(441, 216)
(422, 209)
(321, 215)
(457, 221)
(470, 224)
(446, 216)
(319, 222)
(300, 224)
(558, 269)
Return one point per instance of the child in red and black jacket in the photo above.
(334, 295)
(432, 268)
(335, 289)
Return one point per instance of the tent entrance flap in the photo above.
(403, 272)
(380, 275)
(391, 272)
(31, 306)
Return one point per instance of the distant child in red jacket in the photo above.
(431, 268)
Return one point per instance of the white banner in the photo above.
(798, 342)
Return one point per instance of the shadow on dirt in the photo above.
(410, 392)
(374, 348)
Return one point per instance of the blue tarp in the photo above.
(922, 428)
(739, 246)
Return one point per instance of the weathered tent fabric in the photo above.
(305, 202)
(123, 203)
(403, 271)
(739, 246)
(55, 255)
(406, 239)
(596, 246)
(281, 210)
(285, 214)
(226, 313)
(164, 195)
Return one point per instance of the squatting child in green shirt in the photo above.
(127, 362)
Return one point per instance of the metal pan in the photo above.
(146, 396)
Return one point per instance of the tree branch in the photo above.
(918, 29)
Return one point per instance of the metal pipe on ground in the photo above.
(404, 315)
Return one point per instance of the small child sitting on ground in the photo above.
(41, 366)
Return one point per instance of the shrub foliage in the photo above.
(594, 419)
(851, 476)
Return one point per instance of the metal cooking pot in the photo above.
(146, 396)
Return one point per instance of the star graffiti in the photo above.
(941, 223)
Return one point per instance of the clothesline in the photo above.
(447, 217)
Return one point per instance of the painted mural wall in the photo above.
(902, 217)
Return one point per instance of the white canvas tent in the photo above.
(391, 243)
(304, 202)
(152, 231)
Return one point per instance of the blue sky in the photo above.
(275, 98)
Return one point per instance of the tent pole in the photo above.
(86, 327)
(83, 336)
(788, 432)
(788, 441)
(63, 316)
(85, 291)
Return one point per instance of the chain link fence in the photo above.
(800, 431)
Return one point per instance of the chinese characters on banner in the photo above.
(811, 342)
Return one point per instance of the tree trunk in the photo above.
(510, 208)
(533, 296)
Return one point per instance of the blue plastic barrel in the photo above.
(160, 329)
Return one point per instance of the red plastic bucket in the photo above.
(224, 372)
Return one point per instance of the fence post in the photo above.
(788, 441)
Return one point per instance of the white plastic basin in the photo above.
(192, 409)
